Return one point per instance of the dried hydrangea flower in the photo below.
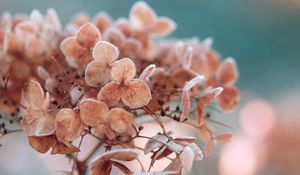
(98, 72)
(78, 49)
(134, 93)
(112, 122)
(144, 19)
(37, 121)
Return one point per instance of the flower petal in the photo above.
(120, 120)
(41, 144)
(36, 49)
(38, 123)
(35, 94)
(88, 35)
(105, 52)
(187, 157)
(136, 94)
(102, 20)
(73, 51)
(68, 125)
(229, 98)
(227, 72)
(122, 154)
(163, 26)
(97, 74)
(142, 16)
(110, 93)
(123, 70)
(93, 112)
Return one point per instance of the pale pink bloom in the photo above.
(128, 46)
(111, 123)
(78, 49)
(97, 72)
(144, 19)
(134, 93)
(37, 121)
(103, 21)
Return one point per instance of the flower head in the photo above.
(134, 93)
(78, 49)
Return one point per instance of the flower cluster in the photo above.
(108, 78)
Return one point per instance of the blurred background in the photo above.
(262, 35)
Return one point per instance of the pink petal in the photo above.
(148, 72)
(120, 120)
(186, 104)
(227, 72)
(88, 35)
(97, 74)
(142, 16)
(12, 43)
(68, 125)
(35, 94)
(38, 123)
(229, 98)
(80, 19)
(53, 19)
(123, 70)
(102, 20)
(193, 82)
(110, 93)
(136, 94)
(36, 49)
(114, 36)
(163, 26)
(73, 51)
(93, 112)
(105, 52)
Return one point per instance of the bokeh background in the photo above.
(262, 35)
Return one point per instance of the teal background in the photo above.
(262, 35)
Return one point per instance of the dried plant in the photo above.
(108, 78)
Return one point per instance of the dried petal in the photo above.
(102, 20)
(105, 52)
(229, 98)
(227, 72)
(147, 72)
(155, 142)
(88, 35)
(41, 144)
(35, 94)
(97, 74)
(63, 148)
(38, 123)
(142, 16)
(187, 158)
(93, 112)
(186, 104)
(193, 82)
(136, 94)
(120, 120)
(110, 93)
(123, 70)
(73, 51)
(122, 154)
(163, 26)
(68, 125)
(121, 167)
